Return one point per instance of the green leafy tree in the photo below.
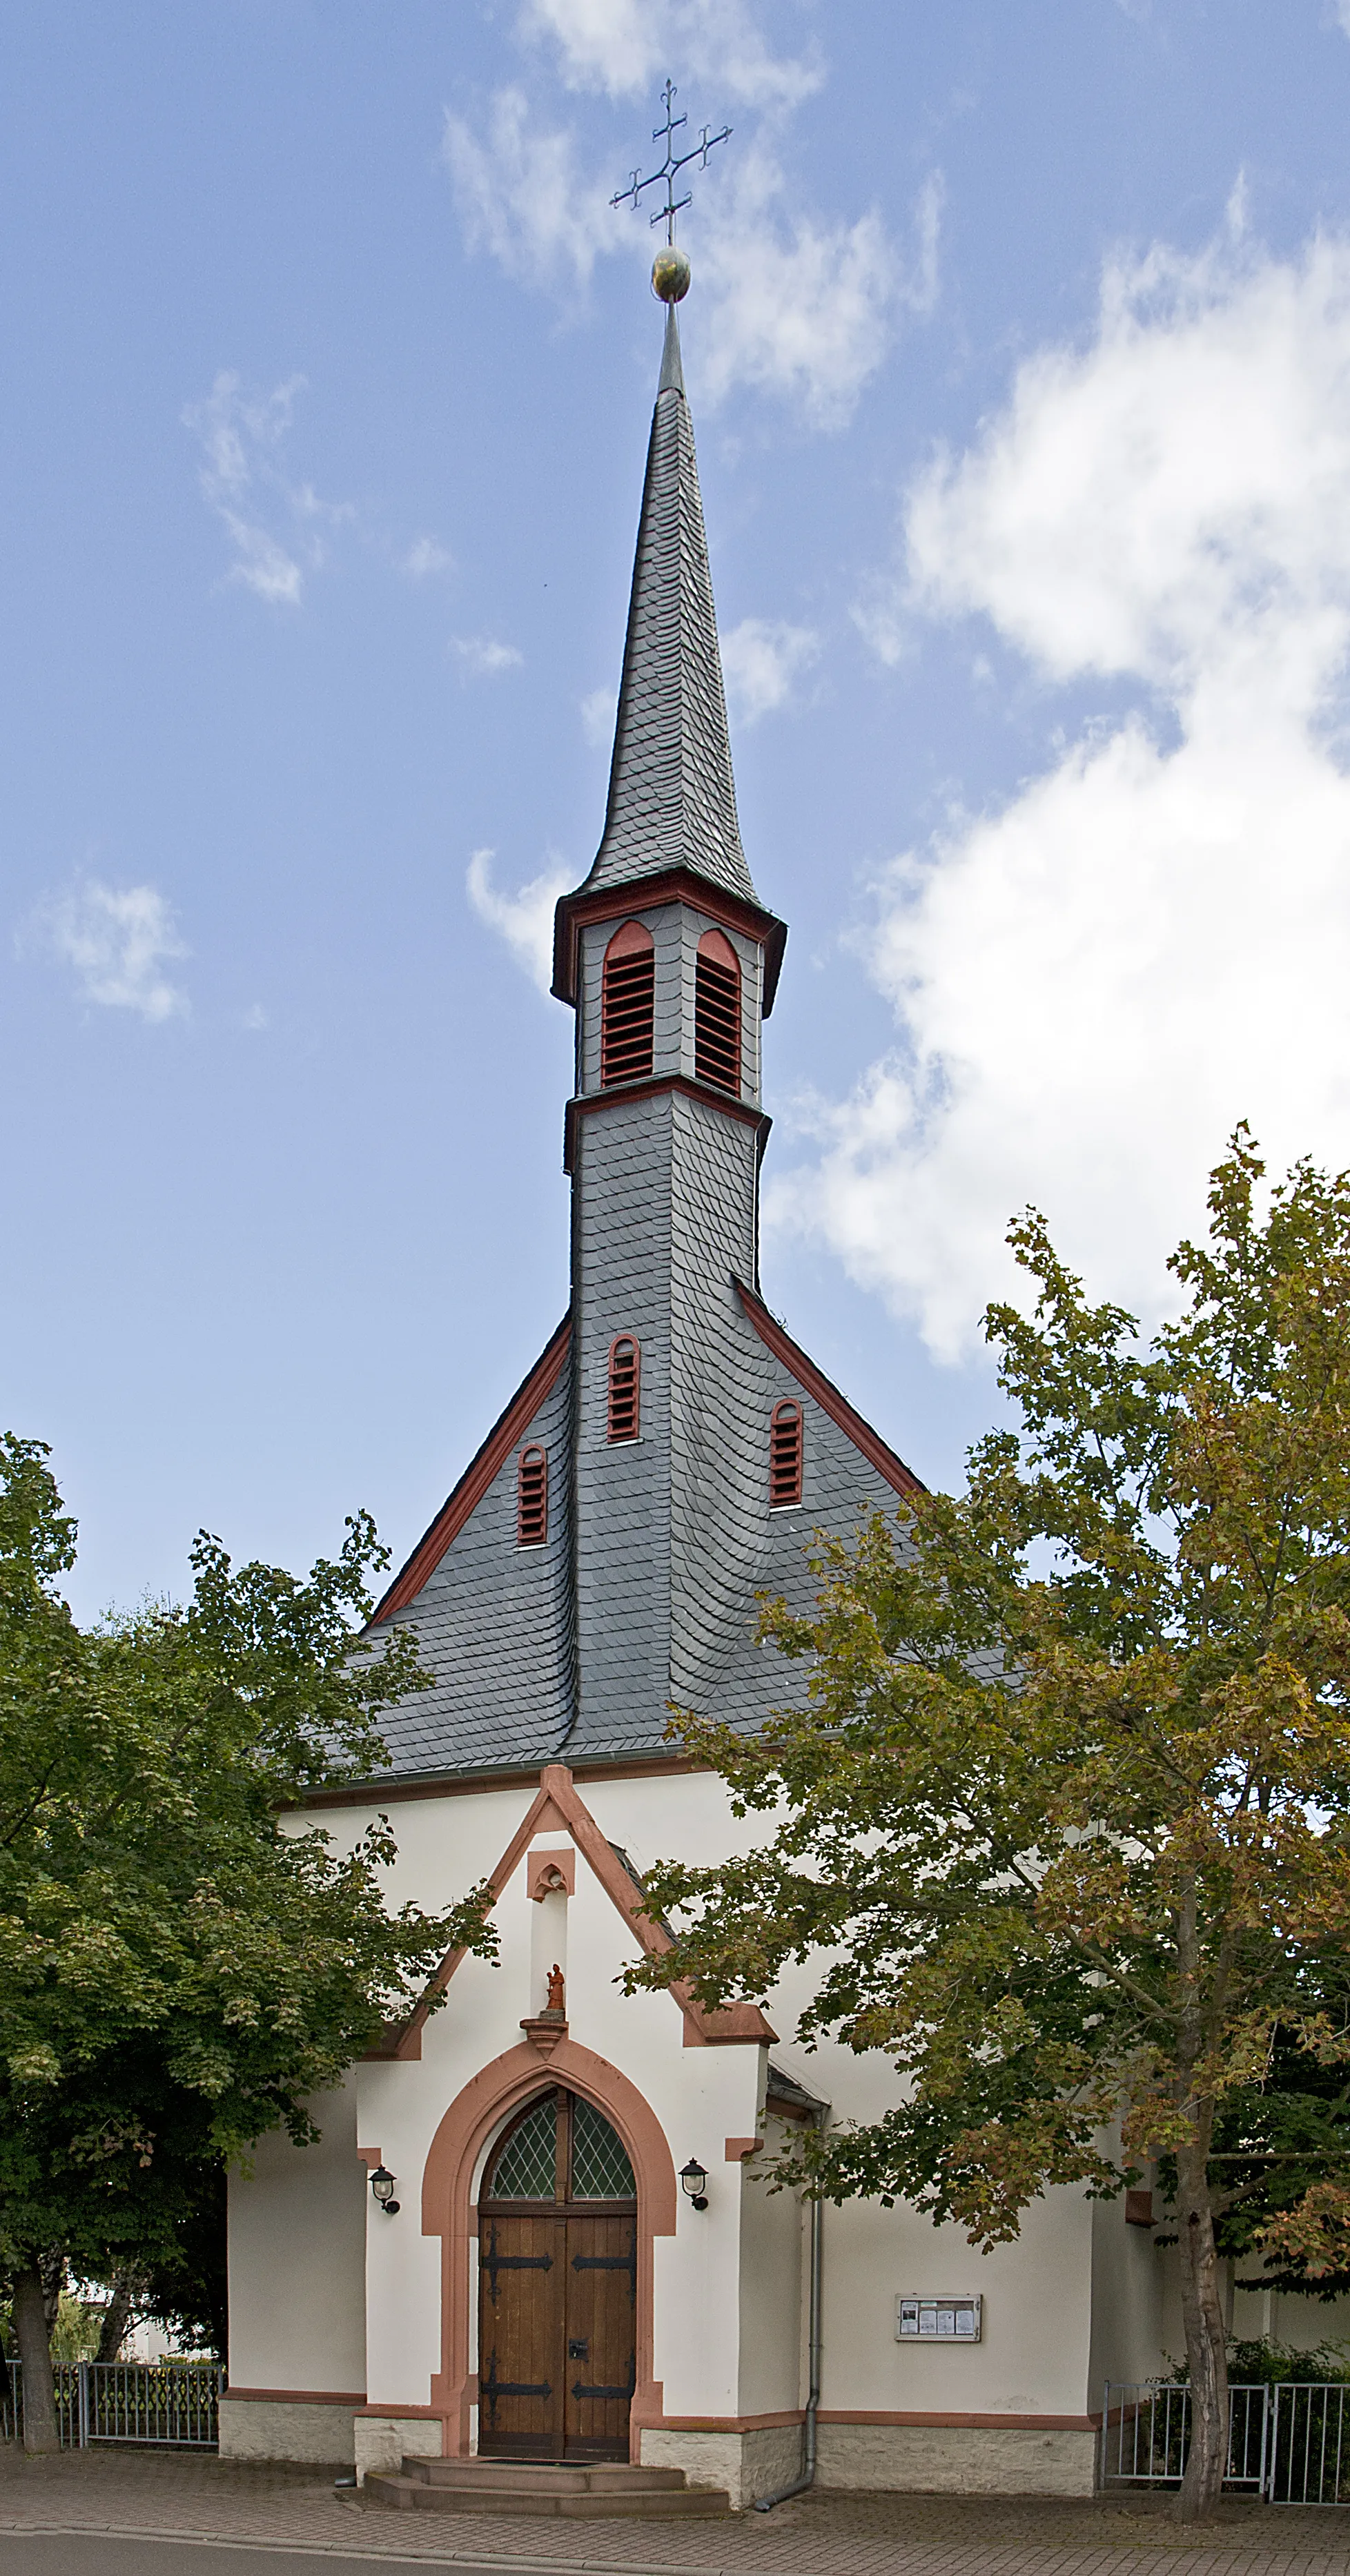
(181, 1967)
(1060, 1822)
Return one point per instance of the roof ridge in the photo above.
(482, 1470)
(814, 1382)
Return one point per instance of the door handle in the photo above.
(578, 2349)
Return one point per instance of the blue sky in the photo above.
(1019, 356)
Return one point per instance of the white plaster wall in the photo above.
(297, 2228)
(700, 2096)
(1034, 2352)
(773, 2264)
(1127, 2301)
(728, 2296)
(1284, 2317)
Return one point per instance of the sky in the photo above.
(1018, 351)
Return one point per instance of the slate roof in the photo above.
(672, 799)
(643, 1593)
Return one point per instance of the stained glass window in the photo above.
(600, 2169)
(527, 2165)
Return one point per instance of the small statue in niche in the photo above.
(557, 1990)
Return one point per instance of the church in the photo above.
(535, 2242)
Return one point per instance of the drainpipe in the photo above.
(765, 2504)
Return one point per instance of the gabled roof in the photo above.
(815, 1383)
(672, 799)
(481, 1472)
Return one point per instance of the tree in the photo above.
(1062, 1821)
(181, 1967)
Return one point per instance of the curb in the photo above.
(519, 2566)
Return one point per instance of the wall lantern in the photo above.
(382, 2184)
(694, 2181)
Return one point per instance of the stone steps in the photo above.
(584, 2489)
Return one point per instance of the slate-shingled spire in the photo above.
(672, 799)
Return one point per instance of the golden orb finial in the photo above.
(670, 275)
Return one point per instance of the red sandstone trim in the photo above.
(419, 2414)
(296, 2396)
(448, 2213)
(643, 894)
(963, 2423)
(827, 1396)
(481, 1472)
(544, 1862)
(737, 2149)
(557, 1808)
(729, 2423)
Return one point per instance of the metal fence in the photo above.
(172, 2405)
(1289, 2444)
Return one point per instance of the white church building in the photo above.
(569, 2259)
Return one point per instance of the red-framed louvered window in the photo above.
(532, 1497)
(717, 1012)
(627, 1005)
(625, 1371)
(785, 1455)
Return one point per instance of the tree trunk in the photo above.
(40, 2432)
(116, 2319)
(1206, 2340)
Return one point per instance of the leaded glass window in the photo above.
(527, 2166)
(600, 2169)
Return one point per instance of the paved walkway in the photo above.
(149, 2495)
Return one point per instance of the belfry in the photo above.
(570, 2281)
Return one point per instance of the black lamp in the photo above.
(694, 2181)
(382, 2184)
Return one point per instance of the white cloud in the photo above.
(624, 46)
(598, 713)
(523, 919)
(426, 557)
(793, 302)
(1152, 939)
(1343, 16)
(801, 305)
(480, 657)
(118, 940)
(524, 197)
(761, 658)
(242, 480)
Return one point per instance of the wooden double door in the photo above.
(557, 2282)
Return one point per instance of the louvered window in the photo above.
(627, 1005)
(624, 1374)
(785, 1456)
(717, 1012)
(532, 1498)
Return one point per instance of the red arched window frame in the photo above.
(625, 1380)
(717, 1012)
(532, 1496)
(785, 1455)
(627, 1005)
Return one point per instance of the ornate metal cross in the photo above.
(671, 167)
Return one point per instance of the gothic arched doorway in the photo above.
(557, 2286)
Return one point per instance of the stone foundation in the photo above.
(956, 2459)
(382, 2441)
(744, 2465)
(273, 2428)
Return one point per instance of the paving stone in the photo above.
(202, 2498)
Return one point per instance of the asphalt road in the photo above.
(100, 2553)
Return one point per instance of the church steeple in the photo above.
(672, 798)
